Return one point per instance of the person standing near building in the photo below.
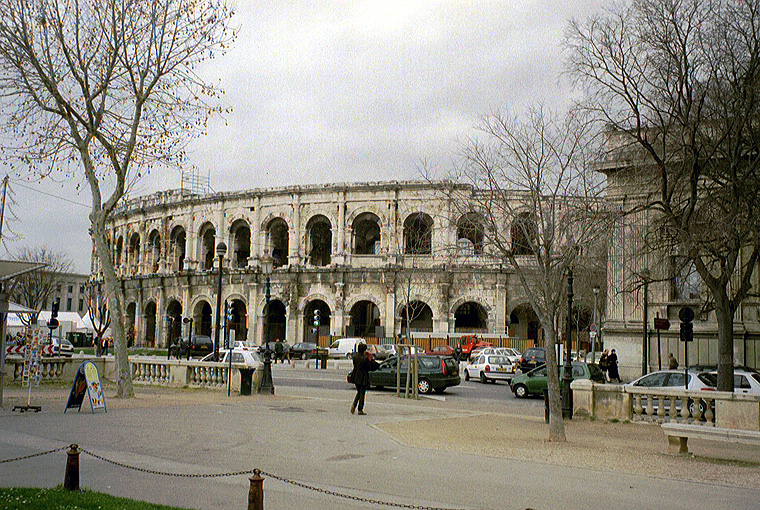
(363, 365)
(672, 362)
(612, 366)
(603, 361)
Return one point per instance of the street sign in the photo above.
(592, 328)
(686, 314)
(663, 324)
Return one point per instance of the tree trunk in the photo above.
(124, 387)
(556, 425)
(725, 315)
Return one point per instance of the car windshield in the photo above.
(498, 360)
(430, 363)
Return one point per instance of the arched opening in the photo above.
(174, 322)
(524, 234)
(309, 333)
(420, 317)
(470, 317)
(134, 252)
(154, 249)
(202, 319)
(366, 230)
(131, 318)
(119, 250)
(418, 234)
(470, 235)
(277, 233)
(319, 240)
(364, 320)
(241, 244)
(208, 245)
(523, 324)
(150, 324)
(239, 323)
(177, 244)
(274, 322)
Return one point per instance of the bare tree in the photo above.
(529, 180)
(678, 83)
(97, 310)
(109, 87)
(35, 289)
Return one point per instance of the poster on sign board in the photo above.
(86, 381)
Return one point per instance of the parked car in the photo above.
(436, 373)
(200, 345)
(62, 347)
(441, 350)
(744, 381)
(246, 346)
(489, 368)
(531, 358)
(344, 347)
(534, 382)
(390, 350)
(304, 350)
(273, 349)
(669, 379)
(246, 358)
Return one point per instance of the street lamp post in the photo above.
(267, 385)
(188, 320)
(221, 249)
(567, 377)
(596, 290)
(646, 276)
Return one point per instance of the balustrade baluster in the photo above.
(673, 412)
(650, 406)
(709, 415)
(637, 409)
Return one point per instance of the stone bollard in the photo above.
(71, 478)
(256, 491)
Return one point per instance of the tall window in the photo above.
(686, 283)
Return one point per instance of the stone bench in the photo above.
(679, 433)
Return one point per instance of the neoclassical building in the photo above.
(357, 253)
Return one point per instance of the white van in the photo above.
(344, 347)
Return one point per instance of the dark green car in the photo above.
(534, 382)
(436, 373)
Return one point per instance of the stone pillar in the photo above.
(500, 306)
(389, 319)
(191, 242)
(294, 233)
(340, 252)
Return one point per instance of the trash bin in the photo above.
(246, 376)
(546, 405)
(323, 356)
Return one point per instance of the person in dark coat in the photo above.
(363, 365)
(603, 363)
(672, 362)
(612, 366)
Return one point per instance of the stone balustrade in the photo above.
(145, 371)
(659, 405)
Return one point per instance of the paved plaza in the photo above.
(426, 452)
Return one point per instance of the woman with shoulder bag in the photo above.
(363, 365)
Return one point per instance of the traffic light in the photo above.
(230, 312)
(316, 318)
(687, 331)
(54, 309)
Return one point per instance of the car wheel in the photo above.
(466, 375)
(424, 386)
(348, 356)
(521, 391)
(483, 378)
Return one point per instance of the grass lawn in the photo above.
(60, 499)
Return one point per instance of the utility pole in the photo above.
(2, 207)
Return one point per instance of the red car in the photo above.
(441, 350)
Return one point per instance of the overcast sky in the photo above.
(340, 91)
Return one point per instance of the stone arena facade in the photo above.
(357, 253)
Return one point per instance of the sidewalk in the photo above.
(406, 451)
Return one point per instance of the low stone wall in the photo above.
(658, 405)
(148, 371)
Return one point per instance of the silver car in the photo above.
(489, 367)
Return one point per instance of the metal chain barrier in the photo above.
(33, 455)
(235, 473)
(354, 498)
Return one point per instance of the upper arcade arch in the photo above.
(240, 234)
(418, 234)
(207, 248)
(366, 230)
(319, 240)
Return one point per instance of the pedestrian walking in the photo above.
(359, 376)
(603, 363)
(672, 362)
(612, 366)
(278, 351)
(458, 352)
(105, 347)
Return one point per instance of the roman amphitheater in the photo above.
(357, 253)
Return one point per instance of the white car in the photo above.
(489, 367)
(669, 379)
(62, 347)
(246, 358)
(512, 354)
(744, 382)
